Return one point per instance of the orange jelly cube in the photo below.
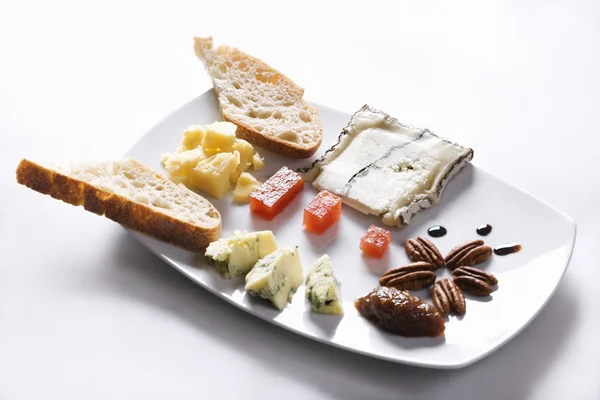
(276, 193)
(375, 242)
(322, 212)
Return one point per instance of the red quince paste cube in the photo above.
(273, 196)
(375, 242)
(322, 212)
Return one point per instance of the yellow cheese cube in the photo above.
(246, 184)
(192, 137)
(258, 162)
(164, 158)
(246, 153)
(266, 243)
(246, 150)
(211, 175)
(180, 164)
(219, 137)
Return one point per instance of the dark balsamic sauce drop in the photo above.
(507, 249)
(437, 231)
(484, 230)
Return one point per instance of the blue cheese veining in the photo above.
(382, 167)
(322, 288)
(276, 277)
(235, 256)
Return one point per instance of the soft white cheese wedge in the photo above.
(382, 167)
(322, 288)
(237, 255)
(276, 277)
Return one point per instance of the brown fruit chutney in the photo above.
(400, 312)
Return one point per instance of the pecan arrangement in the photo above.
(447, 294)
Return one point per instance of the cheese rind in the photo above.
(236, 255)
(322, 288)
(382, 167)
(276, 277)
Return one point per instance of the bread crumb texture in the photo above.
(266, 104)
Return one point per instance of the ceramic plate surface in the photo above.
(472, 198)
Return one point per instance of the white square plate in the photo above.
(527, 279)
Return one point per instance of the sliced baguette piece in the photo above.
(266, 105)
(133, 195)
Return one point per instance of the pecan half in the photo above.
(473, 286)
(447, 297)
(475, 273)
(409, 277)
(422, 249)
(441, 302)
(474, 281)
(468, 254)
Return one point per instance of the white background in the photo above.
(86, 312)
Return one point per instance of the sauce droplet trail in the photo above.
(437, 231)
(484, 230)
(507, 249)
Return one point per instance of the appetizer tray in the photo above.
(527, 278)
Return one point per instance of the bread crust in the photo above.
(272, 143)
(204, 45)
(136, 216)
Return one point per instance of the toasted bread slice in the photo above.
(133, 195)
(266, 105)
